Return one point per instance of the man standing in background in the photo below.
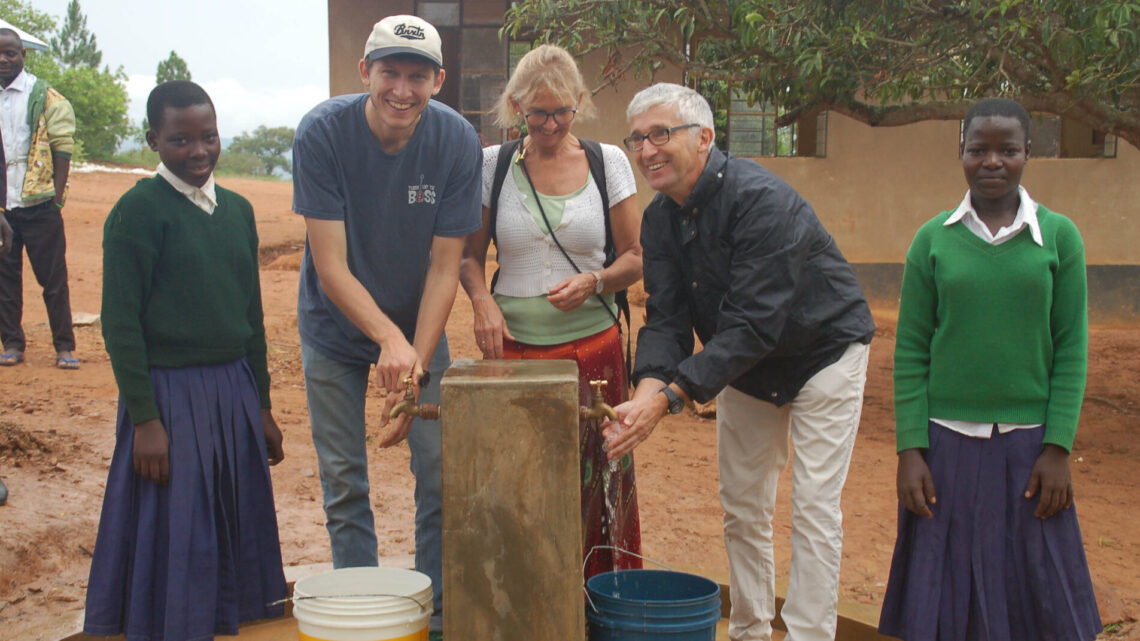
(38, 127)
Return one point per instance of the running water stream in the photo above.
(613, 514)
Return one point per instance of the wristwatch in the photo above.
(598, 277)
(676, 404)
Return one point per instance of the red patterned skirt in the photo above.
(599, 357)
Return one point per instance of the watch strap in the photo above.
(675, 402)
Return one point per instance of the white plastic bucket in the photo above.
(363, 604)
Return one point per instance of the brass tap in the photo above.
(408, 405)
(598, 407)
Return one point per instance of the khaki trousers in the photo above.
(753, 437)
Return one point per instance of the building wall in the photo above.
(877, 185)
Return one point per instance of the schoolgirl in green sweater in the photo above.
(187, 545)
(990, 363)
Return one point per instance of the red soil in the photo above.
(57, 435)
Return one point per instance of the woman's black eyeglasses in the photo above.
(538, 117)
(656, 136)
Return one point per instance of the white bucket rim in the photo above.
(363, 582)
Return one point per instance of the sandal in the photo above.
(7, 359)
(66, 362)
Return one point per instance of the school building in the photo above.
(871, 186)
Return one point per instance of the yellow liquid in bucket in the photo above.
(422, 635)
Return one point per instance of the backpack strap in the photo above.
(621, 298)
(502, 166)
(598, 171)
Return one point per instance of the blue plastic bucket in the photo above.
(645, 605)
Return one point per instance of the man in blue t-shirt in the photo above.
(389, 183)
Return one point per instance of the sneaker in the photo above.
(3, 493)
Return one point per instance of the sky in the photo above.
(263, 62)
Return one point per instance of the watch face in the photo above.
(676, 405)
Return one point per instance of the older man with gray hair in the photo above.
(736, 255)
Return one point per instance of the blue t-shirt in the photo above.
(391, 205)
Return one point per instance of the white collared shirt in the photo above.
(204, 197)
(17, 135)
(1026, 218)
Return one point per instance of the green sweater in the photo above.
(180, 288)
(992, 333)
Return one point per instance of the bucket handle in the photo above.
(423, 606)
(618, 549)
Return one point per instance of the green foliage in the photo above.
(238, 163)
(75, 45)
(28, 18)
(173, 68)
(99, 99)
(883, 62)
(267, 143)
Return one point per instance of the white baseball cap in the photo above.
(403, 34)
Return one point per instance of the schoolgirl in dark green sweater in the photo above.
(990, 362)
(187, 545)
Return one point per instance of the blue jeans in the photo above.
(335, 391)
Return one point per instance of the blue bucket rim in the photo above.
(594, 593)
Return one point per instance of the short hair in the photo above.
(691, 106)
(177, 94)
(545, 67)
(5, 31)
(1002, 107)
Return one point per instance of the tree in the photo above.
(173, 68)
(268, 144)
(75, 45)
(28, 18)
(99, 99)
(882, 62)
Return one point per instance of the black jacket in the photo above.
(745, 263)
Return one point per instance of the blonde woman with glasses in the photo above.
(554, 294)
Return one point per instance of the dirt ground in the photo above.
(57, 435)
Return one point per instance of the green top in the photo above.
(533, 320)
(180, 288)
(992, 333)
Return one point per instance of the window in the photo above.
(1053, 136)
(483, 77)
(752, 131)
(475, 59)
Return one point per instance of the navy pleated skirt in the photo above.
(193, 559)
(985, 568)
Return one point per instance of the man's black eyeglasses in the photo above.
(538, 117)
(656, 136)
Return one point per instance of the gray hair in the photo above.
(691, 106)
